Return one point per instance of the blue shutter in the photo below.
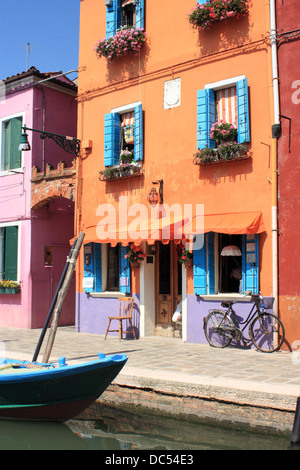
(124, 271)
(111, 139)
(250, 264)
(140, 14)
(113, 18)
(243, 111)
(205, 117)
(202, 1)
(88, 265)
(199, 270)
(98, 267)
(138, 133)
(211, 262)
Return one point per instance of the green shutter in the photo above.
(11, 253)
(12, 155)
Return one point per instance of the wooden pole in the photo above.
(61, 296)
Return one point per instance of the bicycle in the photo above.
(266, 330)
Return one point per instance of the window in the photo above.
(106, 268)
(215, 273)
(128, 13)
(113, 282)
(225, 100)
(123, 129)
(11, 130)
(124, 13)
(9, 253)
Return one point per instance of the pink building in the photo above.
(34, 236)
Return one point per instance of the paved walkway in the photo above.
(171, 366)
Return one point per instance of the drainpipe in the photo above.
(275, 134)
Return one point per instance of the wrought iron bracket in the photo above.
(69, 144)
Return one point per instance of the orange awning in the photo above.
(174, 228)
(234, 223)
(163, 229)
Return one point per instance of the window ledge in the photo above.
(110, 295)
(226, 297)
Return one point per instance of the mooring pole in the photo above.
(61, 296)
(47, 321)
(296, 427)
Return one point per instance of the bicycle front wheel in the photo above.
(267, 332)
(213, 331)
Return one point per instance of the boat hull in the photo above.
(56, 394)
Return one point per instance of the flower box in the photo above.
(125, 41)
(230, 152)
(121, 171)
(205, 14)
(9, 287)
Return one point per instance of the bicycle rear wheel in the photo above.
(267, 332)
(216, 336)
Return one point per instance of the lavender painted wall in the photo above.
(198, 308)
(92, 315)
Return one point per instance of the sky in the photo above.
(51, 27)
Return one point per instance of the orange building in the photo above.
(153, 86)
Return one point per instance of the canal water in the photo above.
(126, 431)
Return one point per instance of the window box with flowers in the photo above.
(135, 255)
(125, 41)
(227, 149)
(9, 287)
(205, 14)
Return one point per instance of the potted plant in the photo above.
(125, 41)
(126, 156)
(184, 256)
(206, 155)
(222, 132)
(231, 151)
(135, 255)
(204, 15)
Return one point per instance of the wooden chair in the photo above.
(125, 313)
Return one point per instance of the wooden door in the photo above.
(168, 283)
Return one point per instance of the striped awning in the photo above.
(127, 2)
(227, 105)
(127, 119)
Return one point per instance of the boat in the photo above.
(35, 391)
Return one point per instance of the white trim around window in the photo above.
(3, 120)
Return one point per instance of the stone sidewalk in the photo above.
(172, 368)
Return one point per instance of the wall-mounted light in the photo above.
(108, 3)
(155, 197)
(69, 144)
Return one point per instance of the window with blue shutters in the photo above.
(115, 138)
(128, 13)
(207, 113)
(235, 273)
(117, 269)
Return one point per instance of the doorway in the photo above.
(168, 287)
